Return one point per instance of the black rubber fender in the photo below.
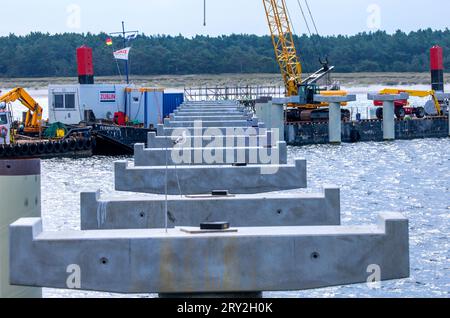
(9, 151)
(49, 147)
(2, 151)
(16, 150)
(57, 147)
(41, 148)
(33, 149)
(25, 150)
(72, 144)
(65, 146)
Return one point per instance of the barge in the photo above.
(117, 115)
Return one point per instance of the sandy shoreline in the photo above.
(181, 81)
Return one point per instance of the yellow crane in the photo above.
(33, 119)
(305, 108)
(289, 61)
(283, 43)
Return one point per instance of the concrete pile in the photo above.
(218, 164)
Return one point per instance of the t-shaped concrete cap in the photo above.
(334, 99)
(387, 97)
(286, 100)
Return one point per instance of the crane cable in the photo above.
(204, 12)
(300, 57)
(317, 48)
(304, 18)
(312, 17)
(316, 43)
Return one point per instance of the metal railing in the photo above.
(238, 93)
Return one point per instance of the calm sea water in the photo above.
(411, 177)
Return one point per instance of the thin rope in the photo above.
(117, 63)
(176, 167)
(204, 13)
(316, 46)
(312, 17)
(166, 202)
(318, 41)
(304, 17)
(129, 60)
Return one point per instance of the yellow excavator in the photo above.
(33, 119)
(403, 107)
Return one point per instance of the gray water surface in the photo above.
(411, 177)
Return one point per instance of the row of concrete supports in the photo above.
(277, 240)
(272, 113)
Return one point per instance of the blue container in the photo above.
(171, 102)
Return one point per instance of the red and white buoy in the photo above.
(437, 68)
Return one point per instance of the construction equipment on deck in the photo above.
(33, 120)
(403, 107)
(305, 108)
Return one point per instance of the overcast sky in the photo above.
(223, 16)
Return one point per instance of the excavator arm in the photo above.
(34, 115)
(415, 93)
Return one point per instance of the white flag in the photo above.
(132, 37)
(122, 54)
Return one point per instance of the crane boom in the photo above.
(283, 42)
(34, 115)
(288, 60)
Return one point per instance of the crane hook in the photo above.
(325, 64)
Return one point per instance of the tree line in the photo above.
(46, 55)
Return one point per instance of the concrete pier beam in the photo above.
(144, 212)
(183, 155)
(211, 104)
(187, 260)
(209, 131)
(184, 106)
(210, 108)
(263, 140)
(272, 114)
(225, 111)
(208, 118)
(388, 112)
(335, 116)
(20, 188)
(206, 123)
(205, 179)
(209, 111)
(215, 103)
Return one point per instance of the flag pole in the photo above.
(124, 34)
(127, 71)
